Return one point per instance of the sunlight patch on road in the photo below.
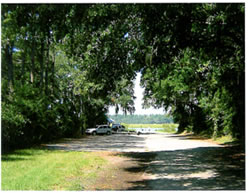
(200, 175)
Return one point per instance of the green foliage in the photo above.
(64, 65)
(198, 69)
(12, 124)
(68, 63)
(27, 118)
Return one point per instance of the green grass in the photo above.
(225, 139)
(167, 128)
(39, 169)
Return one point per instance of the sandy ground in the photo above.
(161, 162)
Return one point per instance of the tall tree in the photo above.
(64, 65)
(196, 51)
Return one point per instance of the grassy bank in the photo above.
(39, 169)
(222, 140)
(167, 128)
(226, 140)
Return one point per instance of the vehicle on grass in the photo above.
(118, 127)
(100, 129)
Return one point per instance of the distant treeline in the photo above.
(141, 119)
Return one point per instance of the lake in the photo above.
(148, 129)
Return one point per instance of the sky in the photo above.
(138, 101)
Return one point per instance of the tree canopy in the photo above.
(63, 65)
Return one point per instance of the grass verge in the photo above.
(41, 169)
(223, 140)
(228, 139)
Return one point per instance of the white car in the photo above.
(100, 129)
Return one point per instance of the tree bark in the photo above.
(47, 67)
(41, 65)
(32, 61)
(23, 66)
(9, 53)
(53, 72)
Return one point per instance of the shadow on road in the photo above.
(182, 165)
(101, 143)
(204, 168)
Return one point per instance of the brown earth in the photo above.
(120, 173)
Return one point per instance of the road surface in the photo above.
(170, 161)
(130, 143)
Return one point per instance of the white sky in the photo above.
(138, 101)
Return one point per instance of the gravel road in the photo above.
(129, 143)
(171, 162)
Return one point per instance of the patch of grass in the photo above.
(169, 128)
(228, 139)
(223, 140)
(40, 169)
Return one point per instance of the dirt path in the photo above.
(121, 172)
(162, 162)
(202, 168)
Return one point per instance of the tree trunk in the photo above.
(9, 53)
(53, 72)
(47, 67)
(32, 62)
(9, 48)
(41, 65)
(23, 66)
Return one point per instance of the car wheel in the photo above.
(94, 133)
(108, 133)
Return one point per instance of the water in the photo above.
(147, 129)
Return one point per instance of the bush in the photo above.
(13, 123)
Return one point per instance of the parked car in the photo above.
(118, 127)
(100, 129)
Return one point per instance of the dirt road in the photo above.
(163, 162)
(130, 143)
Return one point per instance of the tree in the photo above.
(197, 50)
(64, 65)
